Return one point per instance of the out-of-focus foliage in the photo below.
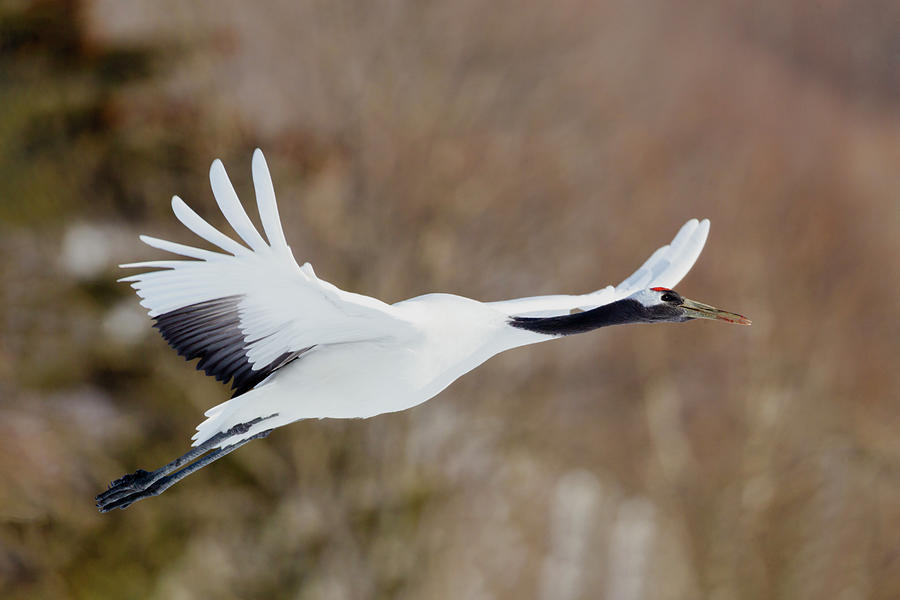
(493, 150)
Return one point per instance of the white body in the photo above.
(360, 357)
(365, 379)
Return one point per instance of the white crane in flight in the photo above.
(297, 347)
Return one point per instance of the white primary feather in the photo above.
(231, 207)
(665, 268)
(265, 200)
(198, 225)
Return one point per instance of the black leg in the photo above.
(162, 484)
(139, 484)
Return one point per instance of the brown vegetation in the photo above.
(493, 150)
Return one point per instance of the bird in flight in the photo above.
(297, 347)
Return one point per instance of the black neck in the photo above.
(615, 313)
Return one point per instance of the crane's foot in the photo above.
(126, 496)
(127, 490)
(126, 484)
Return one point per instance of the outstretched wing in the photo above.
(665, 268)
(245, 312)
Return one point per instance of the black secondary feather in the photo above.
(211, 332)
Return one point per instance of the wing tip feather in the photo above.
(217, 175)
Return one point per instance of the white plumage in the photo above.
(298, 347)
(665, 268)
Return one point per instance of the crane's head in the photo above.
(663, 304)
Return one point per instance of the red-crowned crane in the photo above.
(297, 347)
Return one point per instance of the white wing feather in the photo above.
(231, 207)
(265, 200)
(665, 268)
(249, 309)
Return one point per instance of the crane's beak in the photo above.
(698, 310)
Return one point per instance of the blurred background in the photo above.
(494, 150)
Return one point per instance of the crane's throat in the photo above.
(615, 313)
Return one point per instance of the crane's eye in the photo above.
(669, 297)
